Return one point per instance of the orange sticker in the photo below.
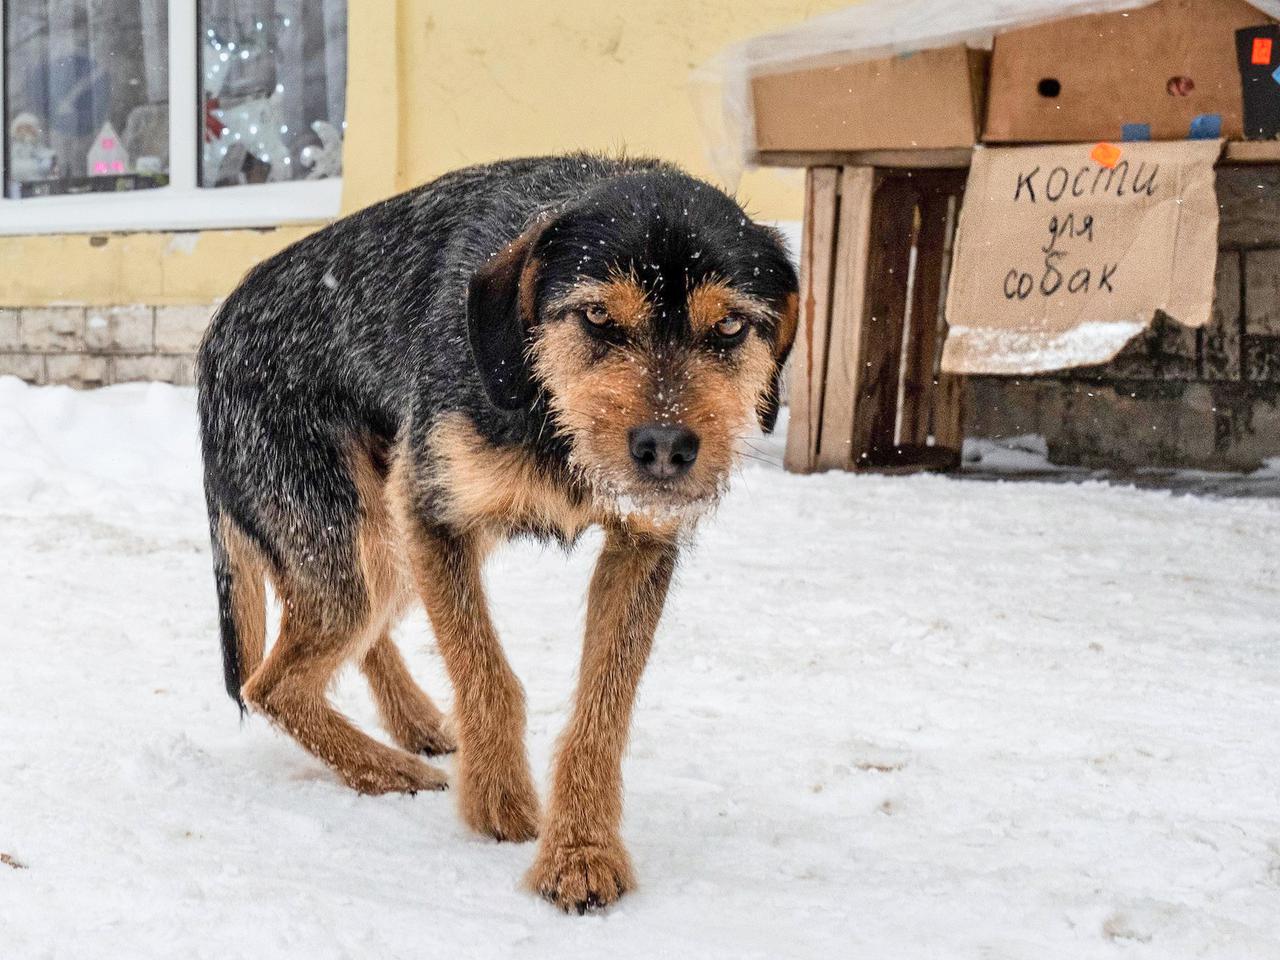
(1261, 51)
(1105, 155)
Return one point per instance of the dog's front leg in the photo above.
(581, 862)
(496, 792)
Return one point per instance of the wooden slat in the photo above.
(939, 209)
(948, 412)
(956, 157)
(946, 416)
(1237, 151)
(877, 363)
(848, 305)
(1252, 151)
(920, 361)
(809, 361)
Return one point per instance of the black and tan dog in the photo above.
(530, 347)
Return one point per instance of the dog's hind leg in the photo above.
(496, 793)
(581, 862)
(407, 713)
(290, 687)
(340, 587)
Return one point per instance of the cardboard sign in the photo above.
(1065, 253)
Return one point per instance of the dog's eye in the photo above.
(730, 328)
(597, 316)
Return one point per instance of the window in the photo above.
(84, 80)
(171, 114)
(274, 78)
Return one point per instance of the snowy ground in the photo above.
(886, 718)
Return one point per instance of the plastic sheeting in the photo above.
(867, 31)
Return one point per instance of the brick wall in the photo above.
(95, 346)
(1206, 398)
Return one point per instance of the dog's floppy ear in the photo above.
(501, 309)
(788, 319)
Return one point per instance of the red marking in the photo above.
(1261, 50)
(213, 127)
(108, 143)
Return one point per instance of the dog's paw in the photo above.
(505, 809)
(394, 773)
(428, 735)
(581, 878)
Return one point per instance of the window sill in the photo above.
(173, 208)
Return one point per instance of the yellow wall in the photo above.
(127, 268)
(438, 84)
(483, 79)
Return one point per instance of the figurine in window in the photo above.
(107, 157)
(30, 157)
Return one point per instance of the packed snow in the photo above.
(908, 717)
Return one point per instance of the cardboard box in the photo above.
(1067, 253)
(1168, 71)
(920, 101)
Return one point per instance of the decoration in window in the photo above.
(273, 79)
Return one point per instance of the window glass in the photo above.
(273, 78)
(87, 96)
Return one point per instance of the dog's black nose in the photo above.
(663, 452)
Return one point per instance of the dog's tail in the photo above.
(240, 576)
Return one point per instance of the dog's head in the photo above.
(654, 317)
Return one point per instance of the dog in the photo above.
(525, 348)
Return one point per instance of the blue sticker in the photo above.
(1275, 75)
(1206, 126)
(1135, 131)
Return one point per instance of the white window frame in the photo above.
(183, 204)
